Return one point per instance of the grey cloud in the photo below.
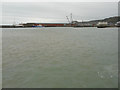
(57, 11)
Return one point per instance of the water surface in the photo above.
(60, 58)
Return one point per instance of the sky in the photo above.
(46, 12)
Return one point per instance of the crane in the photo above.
(68, 19)
(71, 17)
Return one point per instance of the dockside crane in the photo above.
(71, 18)
(68, 19)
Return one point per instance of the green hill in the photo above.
(109, 20)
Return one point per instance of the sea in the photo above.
(60, 57)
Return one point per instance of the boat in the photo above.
(102, 24)
(117, 24)
(37, 25)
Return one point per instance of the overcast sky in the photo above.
(17, 12)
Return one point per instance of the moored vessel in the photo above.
(102, 24)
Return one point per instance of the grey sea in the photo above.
(60, 57)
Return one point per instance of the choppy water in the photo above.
(60, 58)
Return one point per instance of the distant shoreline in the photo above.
(111, 22)
(59, 27)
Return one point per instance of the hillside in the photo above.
(109, 20)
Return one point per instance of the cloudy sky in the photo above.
(20, 12)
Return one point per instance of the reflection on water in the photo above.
(60, 58)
